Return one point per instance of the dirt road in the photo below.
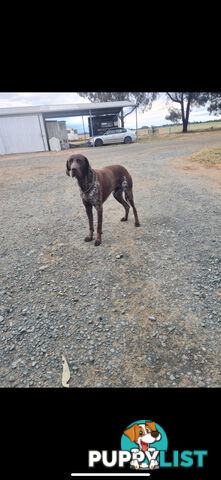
(149, 318)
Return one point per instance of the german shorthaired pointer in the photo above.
(95, 187)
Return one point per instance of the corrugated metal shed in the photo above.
(22, 129)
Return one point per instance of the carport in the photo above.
(23, 129)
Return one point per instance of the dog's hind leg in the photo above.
(130, 199)
(118, 195)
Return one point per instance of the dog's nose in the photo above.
(155, 434)
(73, 172)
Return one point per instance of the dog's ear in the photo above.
(131, 432)
(86, 165)
(151, 426)
(67, 168)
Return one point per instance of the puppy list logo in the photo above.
(144, 439)
(144, 446)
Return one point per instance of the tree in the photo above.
(174, 115)
(142, 100)
(187, 100)
(215, 103)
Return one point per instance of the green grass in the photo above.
(175, 131)
(192, 127)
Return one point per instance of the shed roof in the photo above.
(68, 110)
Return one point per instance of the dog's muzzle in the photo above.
(73, 172)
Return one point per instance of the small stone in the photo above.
(31, 330)
(15, 363)
(119, 256)
(184, 357)
(153, 319)
(171, 329)
(172, 377)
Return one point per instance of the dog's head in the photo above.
(77, 166)
(143, 434)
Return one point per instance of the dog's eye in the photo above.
(141, 432)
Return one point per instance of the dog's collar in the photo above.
(91, 185)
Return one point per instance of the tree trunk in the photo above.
(188, 109)
(183, 115)
(185, 118)
(185, 123)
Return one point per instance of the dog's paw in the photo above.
(123, 219)
(97, 242)
(88, 239)
(137, 224)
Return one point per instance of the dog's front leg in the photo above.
(89, 212)
(99, 225)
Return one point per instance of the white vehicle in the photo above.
(113, 135)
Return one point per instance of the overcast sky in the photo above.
(155, 116)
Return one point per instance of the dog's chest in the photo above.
(92, 196)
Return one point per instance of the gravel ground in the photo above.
(142, 309)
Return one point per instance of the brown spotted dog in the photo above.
(96, 186)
